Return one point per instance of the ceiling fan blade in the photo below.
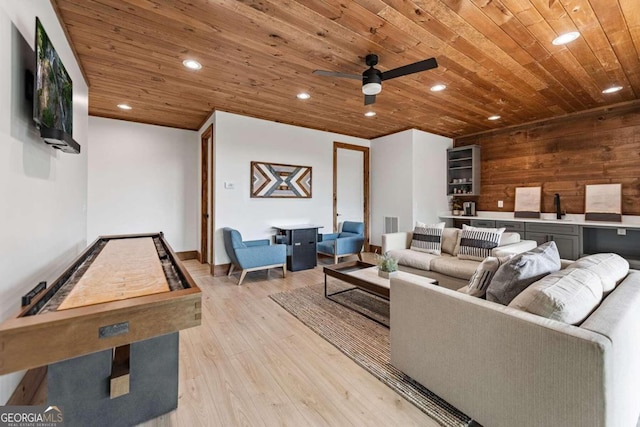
(337, 74)
(416, 67)
(369, 99)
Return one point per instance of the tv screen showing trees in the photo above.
(53, 104)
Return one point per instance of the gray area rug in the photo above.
(363, 340)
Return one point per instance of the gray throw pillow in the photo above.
(484, 273)
(521, 271)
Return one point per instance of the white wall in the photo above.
(240, 140)
(429, 176)
(350, 185)
(391, 182)
(43, 192)
(143, 178)
(408, 179)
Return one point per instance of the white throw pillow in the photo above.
(477, 243)
(509, 238)
(450, 238)
(464, 290)
(484, 273)
(456, 248)
(428, 239)
(568, 295)
(611, 268)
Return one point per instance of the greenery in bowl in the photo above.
(387, 263)
(456, 204)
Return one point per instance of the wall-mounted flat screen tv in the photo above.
(53, 95)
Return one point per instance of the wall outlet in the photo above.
(622, 231)
(500, 204)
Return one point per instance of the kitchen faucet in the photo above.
(556, 201)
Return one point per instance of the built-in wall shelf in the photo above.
(463, 171)
(605, 239)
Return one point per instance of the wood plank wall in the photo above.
(562, 155)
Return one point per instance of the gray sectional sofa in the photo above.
(450, 271)
(507, 367)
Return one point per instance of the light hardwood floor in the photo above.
(251, 363)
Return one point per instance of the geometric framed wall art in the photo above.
(280, 181)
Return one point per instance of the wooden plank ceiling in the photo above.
(495, 57)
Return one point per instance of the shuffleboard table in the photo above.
(107, 329)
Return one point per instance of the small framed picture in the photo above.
(603, 202)
(528, 201)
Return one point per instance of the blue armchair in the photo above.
(253, 255)
(347, 242)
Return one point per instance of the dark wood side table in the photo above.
(301, 241)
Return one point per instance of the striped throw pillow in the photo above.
(484, 273)
(476, 243)
(428, 238)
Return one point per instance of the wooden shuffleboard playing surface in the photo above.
(126, 268)
(120, 290)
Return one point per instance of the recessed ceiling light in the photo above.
(565, 38)
(370, 113)
(495, 117)
(303, 95)
(125, 106)
(192, 64)
(612, 89)
(438, 88)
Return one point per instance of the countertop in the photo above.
(628, 221)
(297, 227)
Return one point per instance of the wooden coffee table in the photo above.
(364, 276)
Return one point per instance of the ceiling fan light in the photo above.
(566, 38)
(371, 88)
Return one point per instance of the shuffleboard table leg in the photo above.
(119, 380)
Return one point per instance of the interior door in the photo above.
(206, 196)
(351, 185)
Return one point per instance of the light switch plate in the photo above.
(229, 185)
(622, 231)
(500, 204)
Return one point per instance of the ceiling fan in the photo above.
(372, 78)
